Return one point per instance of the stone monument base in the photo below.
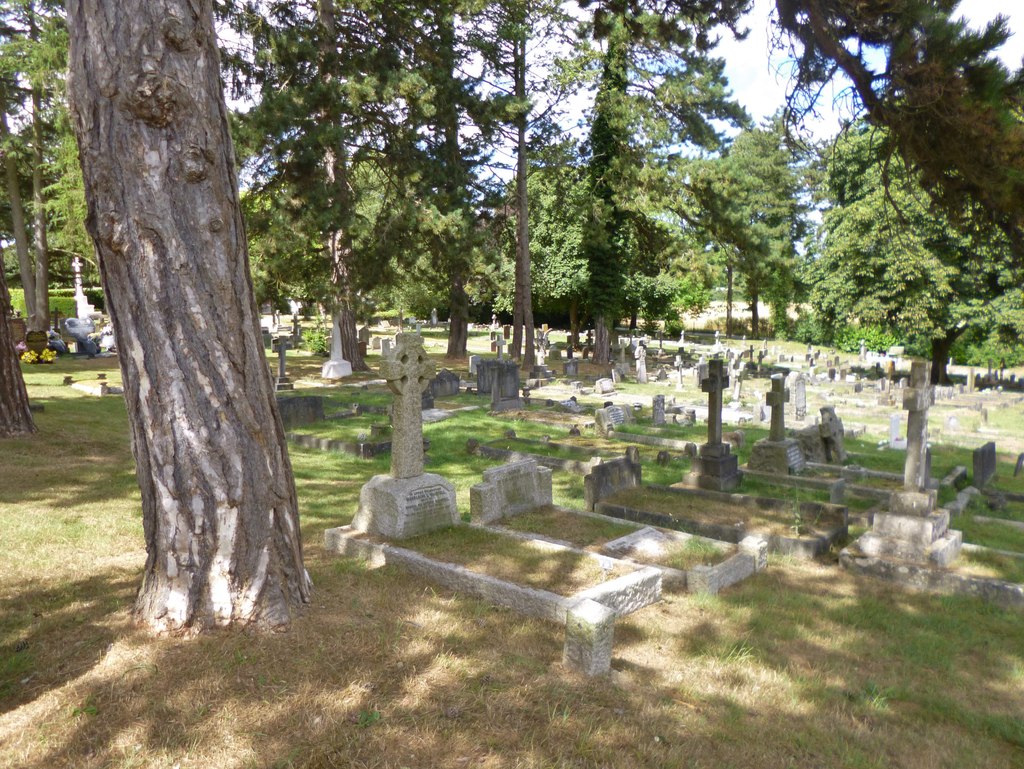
(912, 532)
(779, 457)
(283, 383)
(714, 468)
(396, 508)
(336, 369)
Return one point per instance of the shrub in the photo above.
(875, 338)
(317, 341)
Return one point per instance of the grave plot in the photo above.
(802, 529)
(687, 562)
(557, 456)
(362, 435)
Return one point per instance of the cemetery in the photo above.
(514, 386)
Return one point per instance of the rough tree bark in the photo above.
(15, 415)
(940, 356)
(25, 265)
(523, 320)
(458, 321)
(602, 341)
(218, 496)
(755, 319)
(728, 302)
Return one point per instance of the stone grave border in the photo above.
(750, 557)
(363, 450)
(588, 614)
(929, 579)
(577, 466)
(805, 546)
(836, 488)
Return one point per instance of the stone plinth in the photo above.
(396, 508)
(778, 457)
(714, 468)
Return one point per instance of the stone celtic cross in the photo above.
(714, 385)
(777, 399)
(408, 374)
(917, 399)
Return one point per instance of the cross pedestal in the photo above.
(408, 501)
(913, 529)
(714, 467)
(777, 454)
(282, 382)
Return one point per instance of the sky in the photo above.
(759, 81)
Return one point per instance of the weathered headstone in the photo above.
(658, 410)
(608, 418)
(831, 431)
(408, 501)
(445, 384)
(777, 453)
(715, 467)
(800, 398)
(474, 361)
(505, 394)
(604, 386)
(571, 368)
(605, 479)
(510, 489)
(984, 464)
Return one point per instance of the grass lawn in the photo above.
(802, 665)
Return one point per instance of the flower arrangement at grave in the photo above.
(46, 356)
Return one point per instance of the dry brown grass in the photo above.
(800, 666)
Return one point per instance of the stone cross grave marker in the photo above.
(714, 385)
(500, 344)
(777, 399)
(917, 399)
(408, 374)
(800, 398)
(282, 382)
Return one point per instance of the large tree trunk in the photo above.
(458, 321)
(218, 497)
(755, 320)
(15, 415)
(940, 356)
(728, 302)
(602, 341)
(524, 299)
(40, 320)
(574, 323)
(350, 338)
(25, 265)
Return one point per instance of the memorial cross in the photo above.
(714, 385)
(917, 398)
(777, 399)
(407, 374)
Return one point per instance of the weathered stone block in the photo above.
(589, 632)
(607, 478)
(509, 490)
(397, 508)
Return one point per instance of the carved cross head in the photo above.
(717, 380)
(409, 369)
(779, 394)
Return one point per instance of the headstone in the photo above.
(913, 530)
(896, 441)
(474, 361)
(1019, 466)
(408, 501)
(298, 410)
(336, 366)
(608, 418)
(445, 384)
(433, 317)
(504, 387)
(363, 334)
(571, 368)
(385, 348)
(777, 453)
(500, 343)
(984, 464)
(715, 467)
(832, 434)
(605, 479)
(800, 398)
(658, 410)
(604, 386)
(509, 490)
(970, 380)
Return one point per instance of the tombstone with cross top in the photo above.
(408, 501)
(777, 454)
(714, 467)
(282, 382)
